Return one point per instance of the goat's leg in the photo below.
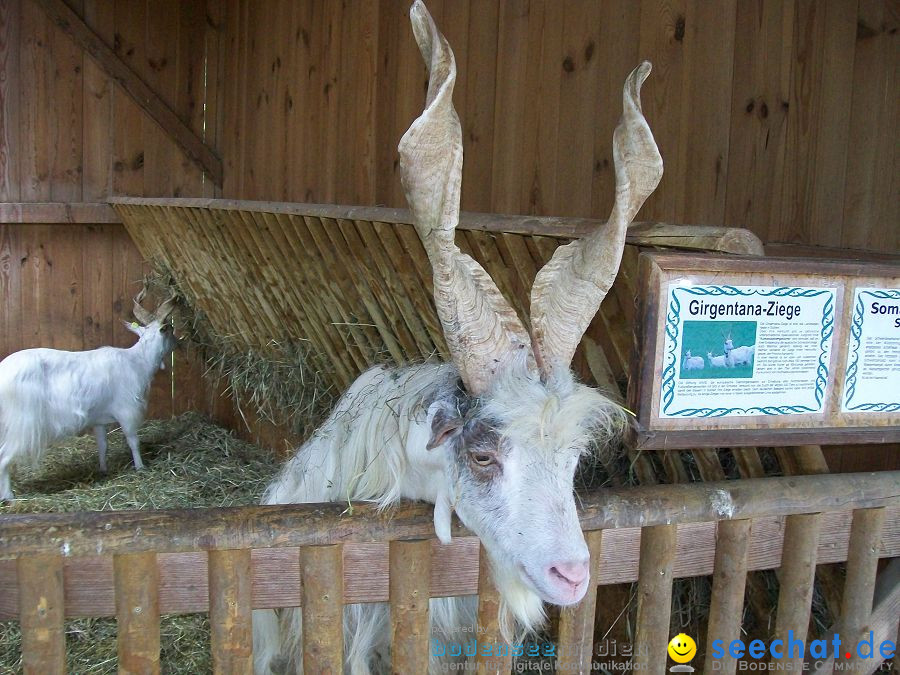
(6, 493)
(100, 435)
(131, 435)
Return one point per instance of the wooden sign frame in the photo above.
(659, 384)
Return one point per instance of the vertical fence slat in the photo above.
(654, 597)
(410, 584)
(727, 601)
(576, 624)
(137, 612)
(862, 568)
(322, 575)
(796, 577)
(41, 613)
(497, 660)
(231, 634)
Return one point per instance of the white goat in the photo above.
(497, 434)
(738, 356)
(715, 361)
(48, 394)
(692, 362)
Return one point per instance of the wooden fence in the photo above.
(138, 565)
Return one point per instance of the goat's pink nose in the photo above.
(571, 572)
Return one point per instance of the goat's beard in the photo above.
(521, 607)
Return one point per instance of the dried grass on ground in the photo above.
(190, 462)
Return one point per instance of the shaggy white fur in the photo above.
(374, 446)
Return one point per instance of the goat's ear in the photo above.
(134, 327)
(445, 424)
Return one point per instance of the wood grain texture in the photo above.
(410, 577)
(772, 115)
(576, 624)
(231, 631)
(323, 631)
(727, 601)
(654, 594)
(137, 612)
(40, 584)
(498, 659)
(795, 581)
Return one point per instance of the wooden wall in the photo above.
(69, 134)
(777, 115)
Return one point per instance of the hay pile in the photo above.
(190, 462)
(277, 384)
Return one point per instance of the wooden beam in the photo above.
(112, 532)
(57, 213)
(190, 143)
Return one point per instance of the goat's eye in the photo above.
(165, 328)
(482, 458)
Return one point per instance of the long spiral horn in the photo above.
(568, 290)
(483, 331)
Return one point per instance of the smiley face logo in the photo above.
(682, 648)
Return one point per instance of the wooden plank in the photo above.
(66, 89)
(410, 574)
(137, 611)
(510, 107)
(826, 212)
(40, 582)
(661, 41)
(454, 568)
(477, 117)
(98, 109)
(323, 626)
(10, 48)
(231, 631)
(577, 107)
(34, 101)
(616, 53)
(760, 114)
(727, 601)
(576, 624)
(654, 598)
(709, 34)
(50, 213)
(194, 148)
(498, 659)
(870, 189)
(795, 580)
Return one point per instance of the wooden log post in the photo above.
(231, 631)
(862, 568)
(727, 601)
(654, 598)
(321, 570)
(136, 578)
(410, 581)
(796, 578)
(576, 624)
(41, 605)
(498, 659)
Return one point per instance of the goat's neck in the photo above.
(148, 356)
